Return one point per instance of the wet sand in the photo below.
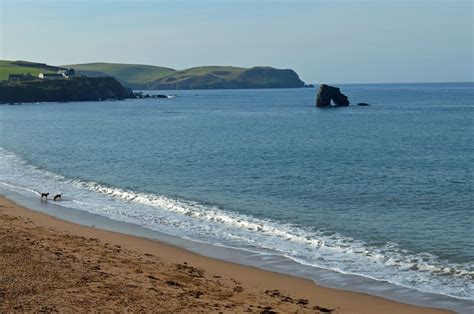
(47, 264)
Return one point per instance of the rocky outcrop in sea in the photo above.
(327, 94)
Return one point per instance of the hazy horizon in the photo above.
(363, 41)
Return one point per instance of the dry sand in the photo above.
(48, 265)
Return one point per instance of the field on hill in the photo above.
(138, 76)
(211, 77)
(128, 73)
(13, 67)
(224, 72)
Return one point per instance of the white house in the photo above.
(63, 73)
(50, 76)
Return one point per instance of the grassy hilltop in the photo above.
(215, 77)
(127, 73)
(139, 76)
(23, 67)
(33, 89)
(153, 77)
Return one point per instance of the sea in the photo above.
(378, 196)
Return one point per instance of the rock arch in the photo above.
(327, 93)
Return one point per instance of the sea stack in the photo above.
(327, 93)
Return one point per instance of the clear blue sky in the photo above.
(334, 41)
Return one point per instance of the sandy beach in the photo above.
(48, 265)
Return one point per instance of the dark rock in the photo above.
(141, 95)
(63, 90)
(363, 104)
(340, 100)
(327, 93)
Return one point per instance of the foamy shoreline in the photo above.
(266, 261)
(251, 279)
(335, 261)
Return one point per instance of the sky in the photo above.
(324, 41)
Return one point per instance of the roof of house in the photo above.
(51, 74)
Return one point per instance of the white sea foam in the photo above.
(212, 224)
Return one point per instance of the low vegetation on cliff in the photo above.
(23, 67)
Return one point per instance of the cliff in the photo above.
(72, 89)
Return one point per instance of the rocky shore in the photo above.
(60, 90)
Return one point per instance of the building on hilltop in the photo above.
(67, 72)
(62, 73)
(50, 76)
(20, 77)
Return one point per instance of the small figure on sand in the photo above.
(45, 195)
(57, 197)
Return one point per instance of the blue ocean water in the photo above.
(383, 191)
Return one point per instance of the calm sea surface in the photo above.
(384, 191)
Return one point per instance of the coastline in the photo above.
(204, 283)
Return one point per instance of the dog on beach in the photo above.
(45, 195)
(57, 197)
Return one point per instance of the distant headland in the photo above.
(24, 81)
(141, 77)
(207, 77)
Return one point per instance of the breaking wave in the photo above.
(193, 220)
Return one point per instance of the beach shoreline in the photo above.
(199, 283)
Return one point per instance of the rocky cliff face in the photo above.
(73, 89)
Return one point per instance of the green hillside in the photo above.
(215, 77)
(222, 72)
(23, 67)
(130, 74)
(138, 76)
